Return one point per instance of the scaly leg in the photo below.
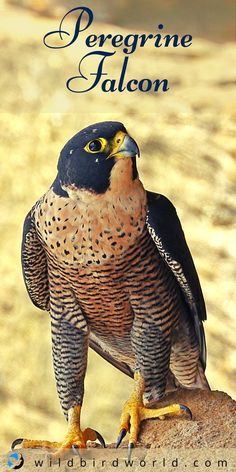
(151, 343)
(70, 345)
(134, 412)
(75, 437)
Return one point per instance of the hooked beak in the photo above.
(128, 148)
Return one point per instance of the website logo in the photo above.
(15, 460)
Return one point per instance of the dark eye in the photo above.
(95, 145)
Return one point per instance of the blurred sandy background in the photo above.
(188, 146)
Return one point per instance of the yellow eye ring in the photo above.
(96, 145)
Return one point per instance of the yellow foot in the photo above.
(134, 412)
(75, 438)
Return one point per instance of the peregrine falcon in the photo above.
(109, 261)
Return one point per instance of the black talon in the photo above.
(75, 449)
(16, 442)
(130, 447)
(100, 439)
(187, 410)
(121, 437)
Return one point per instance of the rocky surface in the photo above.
(213, 424)
(203, 442)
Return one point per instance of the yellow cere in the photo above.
(116, 143)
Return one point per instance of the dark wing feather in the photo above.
(34, 265)
(109, 358)
(166, 231)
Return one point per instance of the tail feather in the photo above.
(201, 380)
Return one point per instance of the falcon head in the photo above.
(97, 157)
